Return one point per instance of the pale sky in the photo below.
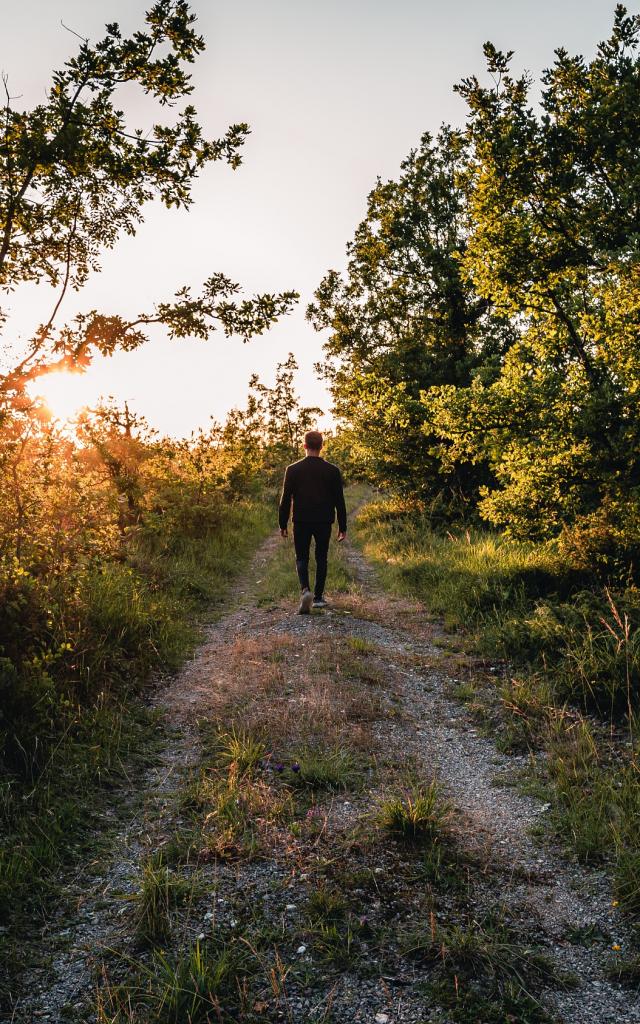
(336, 93)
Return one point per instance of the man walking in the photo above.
(315, 488)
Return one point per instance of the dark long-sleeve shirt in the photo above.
(315, 488)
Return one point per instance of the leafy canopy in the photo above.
(75, 176)
(554, 199)
(486, 338)
(405, 318)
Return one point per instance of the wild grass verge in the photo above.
(72, 725)
(524, 602)
(571, 645)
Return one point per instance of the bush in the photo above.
(607, 541)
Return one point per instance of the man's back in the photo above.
(315, 486)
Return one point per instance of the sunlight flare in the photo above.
(64, 394)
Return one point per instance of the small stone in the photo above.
(290, 907)
(301, 950)
(382, 1018)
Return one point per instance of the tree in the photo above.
(260, 439)
(405, 319)
(74, 177)
(554, 206)
(122, 442)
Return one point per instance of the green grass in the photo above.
(199, 985)
(625, 970)
(332, 928)
(523, 602)
(161, 891)
(417, 815)
(487, 950)
(75, 727)
(587, 935)
(332, 768)
(483, 971)
(595, 798)
(226, 807)
(462, 576)
(239, 750)
(444, 866)
(48, 826)
(627, 873)
(513, 1005)
(361, 646)
(573, 650)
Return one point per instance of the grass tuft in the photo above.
(200, 985)
(232, 813)
(484, 971)
(627, 879)
(334, 768)
(418, 815)
(625, 970)
(332, 928)
(240, 751)
(161, 891)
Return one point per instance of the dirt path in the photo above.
(371, 670)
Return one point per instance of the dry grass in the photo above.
(320, 695)
(284, 720)
(396, 612)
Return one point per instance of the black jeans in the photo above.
(302, 534)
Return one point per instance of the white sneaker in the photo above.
(305, 603)
(319, 602)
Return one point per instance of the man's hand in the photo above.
(342, 534)
(284, 533)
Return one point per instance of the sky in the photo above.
(336, 94)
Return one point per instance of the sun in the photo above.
(63, 393)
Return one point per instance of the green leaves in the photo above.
(75, 176)
(553, 203)
(405, 319)
(486, 338)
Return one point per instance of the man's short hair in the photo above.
(313, 440)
